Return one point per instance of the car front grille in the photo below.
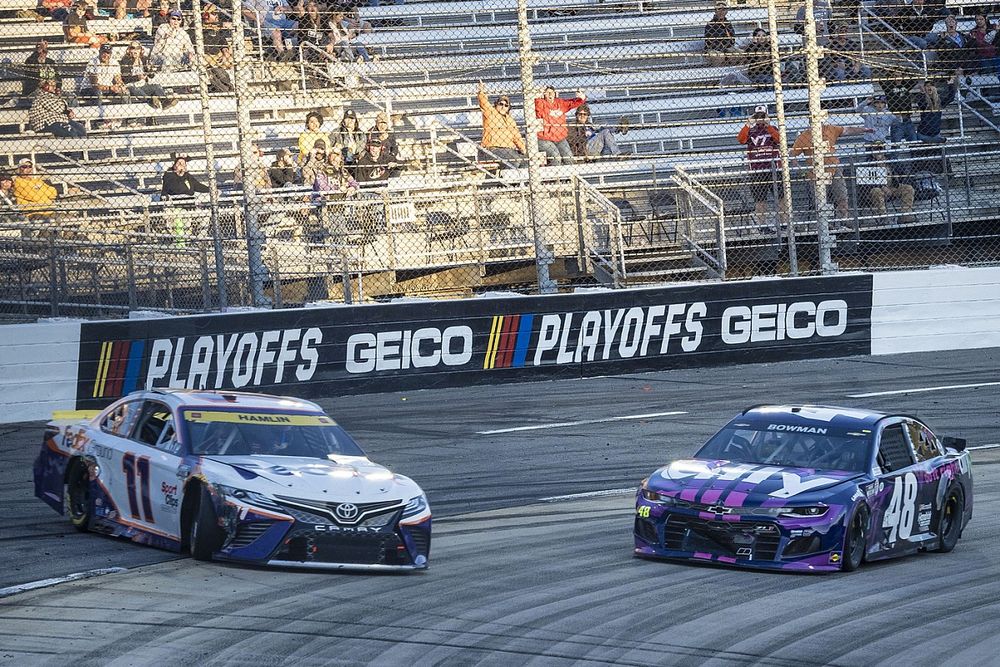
(317, 512)
(248, 532)
(422, 541)
(354, 549)
(736, 539)
(647, 531)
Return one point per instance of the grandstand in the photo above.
(672, 206)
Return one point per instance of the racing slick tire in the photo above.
(79, 500)
(855, 538)
(205, 537)
(949, 524)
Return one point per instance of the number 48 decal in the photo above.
(137, 467)
(899, 516)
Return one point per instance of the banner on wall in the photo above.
(372, 348)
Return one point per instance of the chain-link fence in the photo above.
(198, 157)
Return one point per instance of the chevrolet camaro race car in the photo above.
(241, 477)
(808, 488)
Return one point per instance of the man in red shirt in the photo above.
(763, 154)
(552, 139)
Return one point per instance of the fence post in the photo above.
(276, 277)
(53, 279)
(133, 301)
(819, 147)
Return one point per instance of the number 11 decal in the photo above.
(138, 467)
(901, 511)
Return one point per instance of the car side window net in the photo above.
(893, 450)
(154, 419)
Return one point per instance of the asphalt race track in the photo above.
(516, 581)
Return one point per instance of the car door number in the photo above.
(134, 468)
(899, 516)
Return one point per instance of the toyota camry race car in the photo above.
(242, 477)
(808, 488)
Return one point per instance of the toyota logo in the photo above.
(346, 511)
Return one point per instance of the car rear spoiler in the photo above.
(958, 444)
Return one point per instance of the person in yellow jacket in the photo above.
(32, 193)
(501, 136)
(313, 133)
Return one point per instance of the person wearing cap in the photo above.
(351, 138)
(552, 110)
(803, 149)
(314, 161)
(313, 133)
(586, 139)
(375, 164)
(49, 113)
(258, 170)
(501, 136)
(104, 78)
(32, 192)
(37, 67)
(382, 131)
(283, 171)
(720, 38)
(76, 29)
(878, 119)
(213, 35)
(136, 74)
(878, 182)
(172, 47)
(763, 144)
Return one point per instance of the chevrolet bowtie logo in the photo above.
(720, 509)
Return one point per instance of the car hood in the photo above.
(348, 478)
(729, 484)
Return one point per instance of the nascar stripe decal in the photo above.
(118, 368)
(507, 346)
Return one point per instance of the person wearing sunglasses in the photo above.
(172, 47)
(501, 136)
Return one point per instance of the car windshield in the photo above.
(242, 433)
(790, 445)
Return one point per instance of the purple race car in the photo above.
(810, 488)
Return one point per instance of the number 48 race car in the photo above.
(808, 488)
(242, 477)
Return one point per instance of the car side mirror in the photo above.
(958, 444)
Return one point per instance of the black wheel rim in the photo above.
(948, 522)
(857, 540)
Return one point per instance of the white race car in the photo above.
(259, 479)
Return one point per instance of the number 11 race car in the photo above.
(241, 477)
(808, 488)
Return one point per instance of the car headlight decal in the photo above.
(415, 506)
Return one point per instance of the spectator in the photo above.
(269, 16)
(955, 51)
(178, 182)
(259, 171)
(212, 35)
(823, 13)
(220, 70)
(501, 136)
(356, 27)
(32, 192)
(878, 182)
(283, 171)
(104, 79)
(312, 33)
(720, 38)
(351, 138)
(7, 199)
(552, 110)
(983, 40)
(930, 104)
(136, 75)
(333, 179)
(587, 140)
(57, 10)
(37, 67)
(831, 133)
(842, 62)
(878, 119)
(314, 163)
(763, 159)
(172, 48)
(162, 15)
(899, 100)
(374, 164)
(757, 55)
(50, 113)
(916, 23)
(313, 133)
(382, 130)
(76, 30)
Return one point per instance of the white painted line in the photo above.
(539, 427)
(45, 583)
(921, 390)
(592, 494)
(993, 446)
